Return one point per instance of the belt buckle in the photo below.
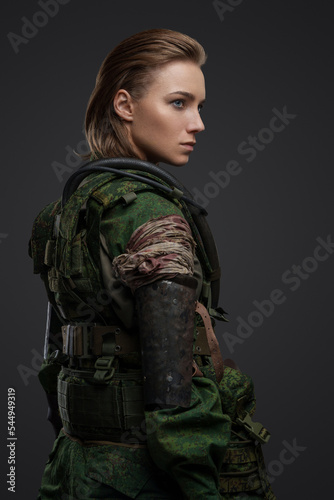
(104, 369)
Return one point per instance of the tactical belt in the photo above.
(85, 340)
(95, 401)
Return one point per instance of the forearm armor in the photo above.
(166, 314)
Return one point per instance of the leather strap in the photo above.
(216, 356)
(196, 371)
(201, 345)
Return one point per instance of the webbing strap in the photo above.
(99, 343)
(240, 470)
(244, 470)
(88, 375)
(240, 455)
(249, 482)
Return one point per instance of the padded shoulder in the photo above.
(119, 222)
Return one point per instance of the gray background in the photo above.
(262, 55)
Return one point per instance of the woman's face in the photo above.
(165, 121)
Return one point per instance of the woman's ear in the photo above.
(123, 105)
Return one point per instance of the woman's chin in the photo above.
(180, 162)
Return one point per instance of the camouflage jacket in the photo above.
(186, 445)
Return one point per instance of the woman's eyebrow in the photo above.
(186, 94)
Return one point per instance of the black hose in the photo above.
(120, 164)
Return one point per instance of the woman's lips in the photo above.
(188, 145)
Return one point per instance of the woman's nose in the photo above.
(196, 124)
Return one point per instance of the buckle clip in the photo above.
(255, 429)
(176, 193)
(218, 313)
(57, 357)
(104, 369)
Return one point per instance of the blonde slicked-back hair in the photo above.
(130, 66)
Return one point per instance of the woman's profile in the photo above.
(141, 402)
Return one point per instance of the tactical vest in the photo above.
(65, 247)
(97, 401)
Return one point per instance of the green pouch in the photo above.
(243, 474)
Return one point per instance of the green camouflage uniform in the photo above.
(167, 453)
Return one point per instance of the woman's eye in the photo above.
(178, 103)
(200, 107)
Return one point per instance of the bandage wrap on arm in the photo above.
(158, 267)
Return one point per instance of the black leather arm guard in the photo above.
(166, 314)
